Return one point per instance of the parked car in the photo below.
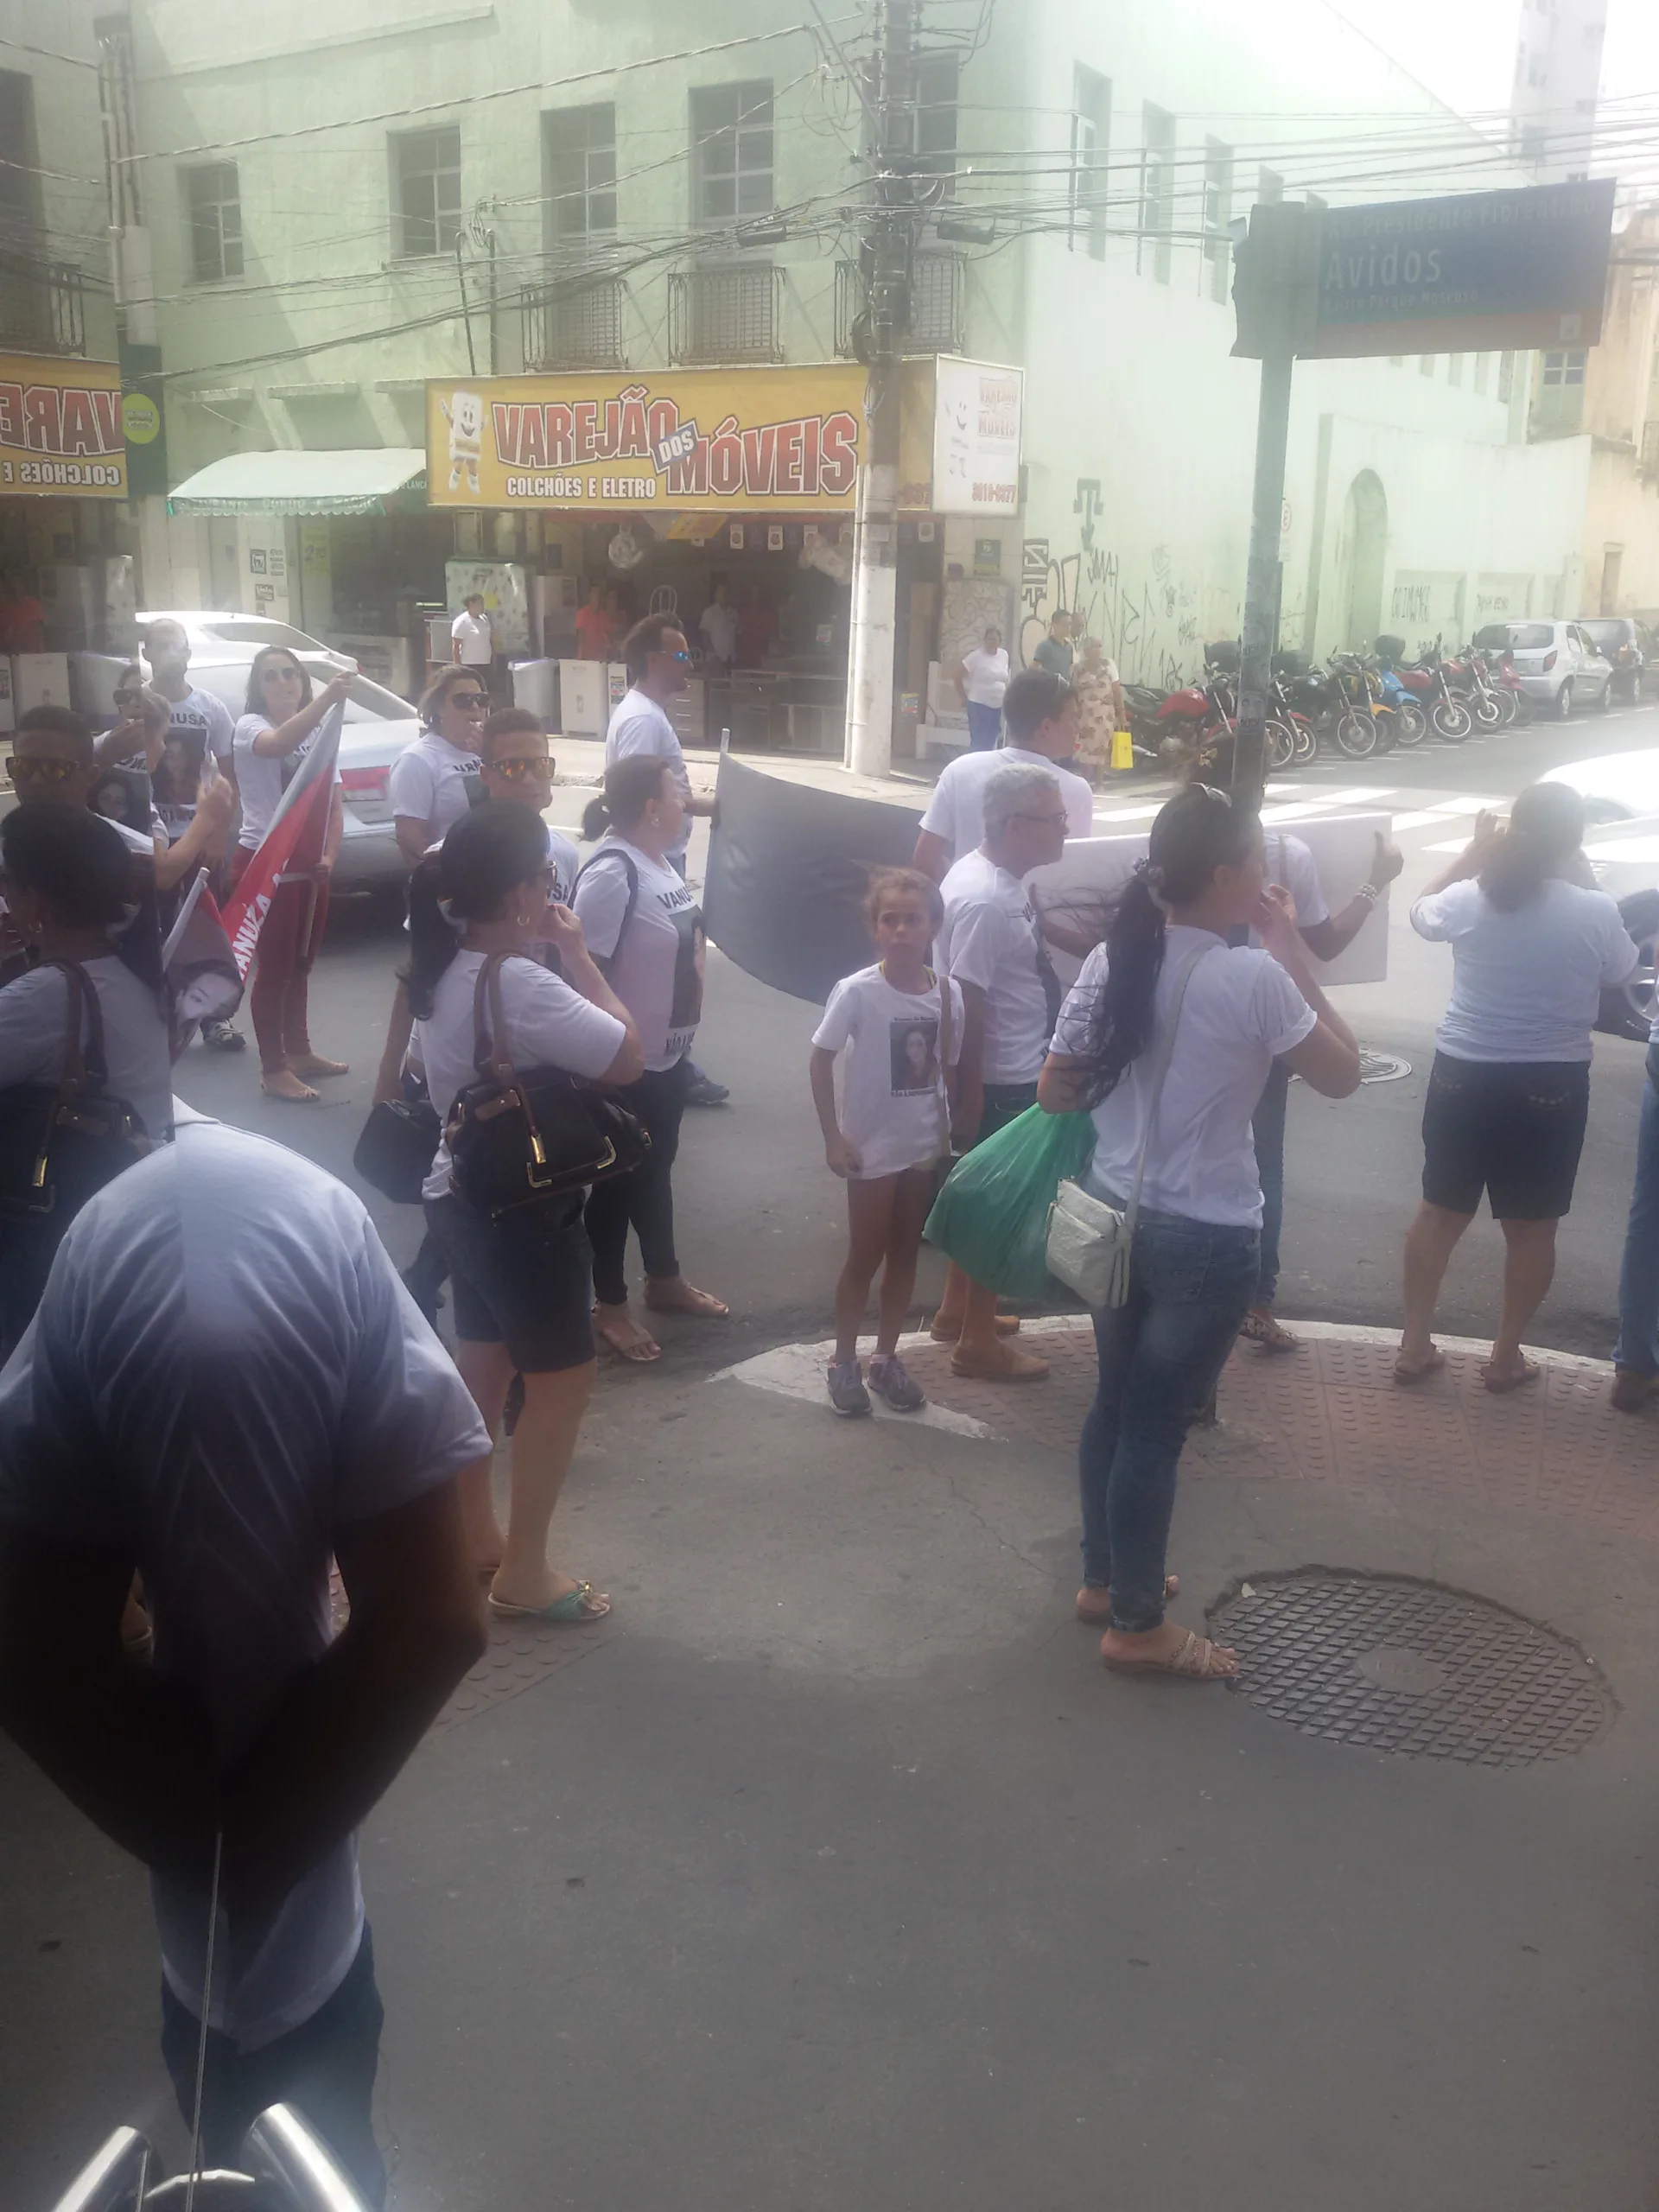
(1618, 641)
(207, 632)
(1558, 667)
(378, 726)
(1620, 793)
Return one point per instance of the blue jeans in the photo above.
(1267, 1128)
(1190, 1284)
(984, 727)
(1639, 1278)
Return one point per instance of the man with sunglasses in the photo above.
(659, 662)
(430, 782)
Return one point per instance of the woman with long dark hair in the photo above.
(429, 782)
(280, 720)
(521, 1283)
(1534, 945)
(645, 926)
(1167, 1036)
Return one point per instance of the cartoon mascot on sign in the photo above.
(464, 412)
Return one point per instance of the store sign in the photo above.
(1472, 273)
(717, 439)
(61, 431)
(976, 411)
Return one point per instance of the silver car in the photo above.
(378, 726)
(210, 630)
(1558, 666)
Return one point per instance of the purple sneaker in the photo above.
(889, 1381)
(847, 1392)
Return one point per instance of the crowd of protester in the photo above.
(336, 1426)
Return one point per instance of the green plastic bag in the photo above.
(992, 1216)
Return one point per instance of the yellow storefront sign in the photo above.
(726, 440)
(61, 435)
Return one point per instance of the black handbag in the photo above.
(61, 1142)
(523, 1140)
(396, 1150)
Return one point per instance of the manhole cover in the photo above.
(1383, 1067)
(1400, 1666)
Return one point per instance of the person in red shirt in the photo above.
(22, 619)
(593, 627)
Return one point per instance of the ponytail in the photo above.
(432, 943)
(1198, 832)
(484, 859)
(1546, 829)
(631, 784)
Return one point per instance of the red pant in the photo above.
(281, 971)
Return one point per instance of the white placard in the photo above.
(976, 412)
(1093, 870)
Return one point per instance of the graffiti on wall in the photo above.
(1148, 625)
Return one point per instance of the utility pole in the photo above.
(1275, 291)
(892, 131)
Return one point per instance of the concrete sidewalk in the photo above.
(833, 1869)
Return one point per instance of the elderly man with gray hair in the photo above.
(992, 945)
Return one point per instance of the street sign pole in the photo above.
(1257, 635)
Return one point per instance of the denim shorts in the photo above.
(1513, 1128)
(525, 1281)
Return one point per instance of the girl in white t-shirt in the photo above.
(903, 1038)
(521, 1282)
(1196, 1246)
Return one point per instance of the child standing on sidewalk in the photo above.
(903, 1025)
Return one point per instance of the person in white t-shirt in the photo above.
(225, 1387)
(1193, 1260)
(67, 880)
(472, 635)
(718, 623)
(432, 779)
(1533, 946)
(981, 677)
(901, 1025)
(522, 1282)
(1291, 865)
(990, 944)
(642, 923)
(1041, 718)
(272, 738)
(659, 662)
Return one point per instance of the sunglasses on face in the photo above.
(38, 767)
(127, 698)
(524, 768)
(466, 701)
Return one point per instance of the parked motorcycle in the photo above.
(1429, 681)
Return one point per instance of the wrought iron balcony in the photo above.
(42, 304)
(726, 314)
(573, 322)
(936, 301)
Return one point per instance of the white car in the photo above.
(208, 631)
(378, 726)
(1620, 793)
(1559, 666)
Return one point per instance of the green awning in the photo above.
(365, 481)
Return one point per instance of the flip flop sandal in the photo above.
(1192, 1662)
(569, 1611)
(1407, 1376)
(644, 1353)
(1500, 1385)
(304, 1097)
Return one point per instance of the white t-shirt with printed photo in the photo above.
(1241, 1009)
(428, 783)
(990, 939)
(655, 966)
(956, 810)
(893, 1105)
(548, 1025)
(261, 778)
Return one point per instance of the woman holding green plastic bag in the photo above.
(1166, 1039)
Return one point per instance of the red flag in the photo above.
(292, 844)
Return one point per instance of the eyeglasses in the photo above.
(126, 698)
(45, 768)
(684, 657)
(467, 700)
(523, 768)
(1049, 821)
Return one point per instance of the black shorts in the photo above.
(1513, 1128)
(526, 1282)
(1004, 1102)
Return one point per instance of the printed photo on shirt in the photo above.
(123, 795)
(686, 1010)
(913, 1055)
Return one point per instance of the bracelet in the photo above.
(1371, 892)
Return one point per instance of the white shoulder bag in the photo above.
(1089, 1242)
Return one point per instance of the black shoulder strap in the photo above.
(90, 1067)
(613, 853)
